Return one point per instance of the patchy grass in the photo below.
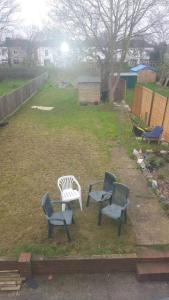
(36, 148)
(7, 86)
(129, 96)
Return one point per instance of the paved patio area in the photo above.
(149, 220)
(117, 286)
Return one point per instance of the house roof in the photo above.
(17, 43)
(141, 67)
(89, 79)
(140, 43)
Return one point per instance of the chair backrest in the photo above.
(120, 194)
(157, 131)
(46, 205)
(109, 180)
(66, 182)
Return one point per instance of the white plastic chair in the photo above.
(70, 190)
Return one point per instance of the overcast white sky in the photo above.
(34, 11)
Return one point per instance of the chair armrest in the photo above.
(78, 185)
(97, 182)
(94, 183)
(125, 206)
(58, 202)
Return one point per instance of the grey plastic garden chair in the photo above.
(118, 209)
(105, 193)
(61, 218)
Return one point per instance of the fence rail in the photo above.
(152, 108)
(11, 102)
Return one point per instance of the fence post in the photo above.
(151, 108)
(165, 112)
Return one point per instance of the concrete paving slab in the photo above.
(116, 286)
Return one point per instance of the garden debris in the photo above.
(153, 165)
(163, 152)
(64, 84)
(46, 108)
(32, 283)
(50, 277)
(154, 184)
(10, 280)
(149, 151)
(3, 124)
(162, 198)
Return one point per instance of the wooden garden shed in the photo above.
(89, 89)
(146, 74)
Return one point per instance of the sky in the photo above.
(34, 12)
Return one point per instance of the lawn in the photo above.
(36, 148)
(129, 96)
(7, 86)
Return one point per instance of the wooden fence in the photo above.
(152, 108)
(11, 102)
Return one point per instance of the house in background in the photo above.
(19, 51)
(3, 54)
(47, 53)
(50, 52)
(138, 53)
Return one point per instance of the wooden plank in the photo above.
(10, 282)
(9, 271)
(10, 288)
(9, 275)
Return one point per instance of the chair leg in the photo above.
(80, 202)
(99, 218)
(88, 200)
(125, 216)
(50, 229)
(67, 231)
(88, 197)
(119, 226)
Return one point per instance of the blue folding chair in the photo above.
(154, 135)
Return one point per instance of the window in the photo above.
(4, 51)
(46, 52)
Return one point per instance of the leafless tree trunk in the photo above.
(108, 24)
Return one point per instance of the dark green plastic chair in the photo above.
(61, 218)
(105, 193)
(117, 210)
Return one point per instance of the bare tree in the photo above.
(107, 24)
(8, 9)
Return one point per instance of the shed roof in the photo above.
(89, 79)
(126, 74)
(142, 67)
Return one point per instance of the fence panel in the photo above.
(136, 101)
(158, 110)
(146, 104)
(166, 123)
(9, 103)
